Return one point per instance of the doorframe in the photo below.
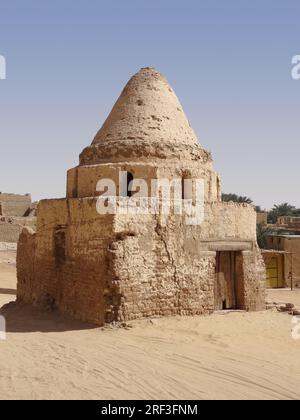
(236, 289)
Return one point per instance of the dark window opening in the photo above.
(182, 188)
(129, 184)
(187, 187)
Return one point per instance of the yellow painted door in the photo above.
(280, 271)
(274, 267)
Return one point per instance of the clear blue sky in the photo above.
(229, 62)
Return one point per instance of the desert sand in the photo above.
(228, 355)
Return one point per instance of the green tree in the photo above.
(236, 198)
(262, 232)
(284, 209)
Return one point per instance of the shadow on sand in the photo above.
(23, 318)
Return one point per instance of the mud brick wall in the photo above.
(9, 232)
(11, 227)
(28, 289)
(122, 267)
(64, 265)
(154, 275)
(127, 266)
(14, 205)
(254, 280)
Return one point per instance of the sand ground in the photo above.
(233, 355)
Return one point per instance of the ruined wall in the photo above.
(11, 227)
(111, 272)
(14, 205)
(28, 288)
(162, 267)
(127, 266)
(254, 273)
(155, 274)
(10, 232)
(82, 181)
(13, 208)
(68, 259)
(121, 267)
(229, 221)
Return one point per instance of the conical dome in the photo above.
(147, 120)
(147, 107)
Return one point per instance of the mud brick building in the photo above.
(118, 267)
(16, 211)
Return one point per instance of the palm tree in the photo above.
(262, 232)
(279, 210)
(236, 198)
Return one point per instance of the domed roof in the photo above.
(147, 120)
(147, 107)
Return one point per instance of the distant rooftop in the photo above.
(290, 236)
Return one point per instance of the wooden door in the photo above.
(274, 268)
(225, 282)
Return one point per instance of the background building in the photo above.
(16, 211)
